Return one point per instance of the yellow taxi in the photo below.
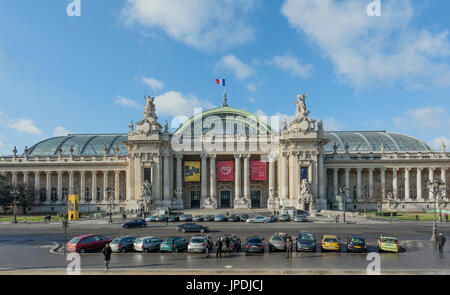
(330, 243)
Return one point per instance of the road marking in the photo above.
(228, 266)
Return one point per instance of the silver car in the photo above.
(147, 244)
(277, 242)
(122, 244)
(198, 244)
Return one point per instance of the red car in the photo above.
(84, 243)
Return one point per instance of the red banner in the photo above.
(225, 170)
(258, 171)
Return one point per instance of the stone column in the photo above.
(443, 179)
(237, 177)
(82, 186)
(284, 176)
(204, 177)
(431, 178)
(94, 186)
(407, 194)
(14, 178)
(271, 177)
(37, 186)
(419, 184)
(358, 185)
(395, 183)
(129, 185)
(322, 177)
(371, 183)
(166, 178)
(335, 182)
(212, 177)
(291, 185)
(25, 178)
(347, 183)
(71, 182)
(383, 183)
(105, 186)
(48, 185)
(117, 185)
(179, 179)
(246, 177)
(59, 186)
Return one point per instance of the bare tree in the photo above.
(5, 196)
(378, 195)
(26, 196)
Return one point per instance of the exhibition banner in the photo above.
(73, 207)
(192, 171)
(258, 171)
(225, 170)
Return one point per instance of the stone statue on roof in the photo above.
(301, 105)
(149, 109)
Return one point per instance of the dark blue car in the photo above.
(135, 223)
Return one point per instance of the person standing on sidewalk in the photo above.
(107, 254)
(219, 248)
(167, 220)
(441, 242)
(288, 247)
(124, 217)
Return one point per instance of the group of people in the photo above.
(219, 244)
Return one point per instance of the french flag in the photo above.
(220, 82)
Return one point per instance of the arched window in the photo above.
(413, 191)
(88, 195)
(42, 194)
(99, 194)
(401, 191)
(54, 194)
(65, 193)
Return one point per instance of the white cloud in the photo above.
(60, 131)
(24, 125)
(423, 118)
(330, 124)
(202, 24)
(292, 65)
(437, 143)
(154, 84)
(367, 50)
(126, 102)
(232, 64)
(173, 103)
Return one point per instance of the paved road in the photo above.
(27, 247)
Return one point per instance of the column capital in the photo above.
(237, 156)
(212, 156)
(71, 172)
(285, 154)
(359, 169)
(395, 170)
(203, 156)
(246, 156)
(419, 168)
(432, 169)
(371, 170)
(383, 169)
(407, 169)
(444, 169)
(347, 170)
(47, 172)
(178, 156)
(82, 172)
(336, 170)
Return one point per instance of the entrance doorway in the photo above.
(225, 199)
(195, 199)
(255, 197)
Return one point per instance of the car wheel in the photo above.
(82, 250)
(183, 230)
(202, 230)
(145, 250)
(176, 250)
(123, 250)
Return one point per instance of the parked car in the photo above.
(186, 217)
(173, 218)
(151, 219)
(300, 218)
(220, 218)
(273, 218)
(244, 217)
(234, 243)
(208, 218)
(85, 243)
(306, 241)
(135, 223)
(173, 244)
(356, 244)
(160, 218)
(388, 244)
(259, 219)
(330, 243)
(197, 218)
(122, 244)
(147, 244)
(198, 244)
(234, 218)
(277, 242)
(285, 217)
(254, 245)
(192, 227)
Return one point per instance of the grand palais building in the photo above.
(230, 158)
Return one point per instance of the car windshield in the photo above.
(388, 240)
(116, 241)
(197, 241)
(168, 241)
(74, 240)
(330, 240)
(305, 236)
(254, 240)
(276, 238)
(138, 241)
(357, 240)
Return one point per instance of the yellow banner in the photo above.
(192, 171)
(72, 207)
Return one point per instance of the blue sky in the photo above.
(89, 73)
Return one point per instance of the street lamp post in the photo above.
(435, 188)
(345, 189)
(273, 192)
(14, 192)
(366, 197)
(110, 204)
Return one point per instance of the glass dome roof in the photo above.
(82, 144)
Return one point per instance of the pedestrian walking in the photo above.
(441, 242)
(417, 218)
(288, 248)
(167, 220)
(71, 216)
(219, 245)
(107, 254)
(446, 217)
(124, 217)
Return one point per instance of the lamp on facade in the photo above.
(344, 191)
(110, 204)
(435, 187)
